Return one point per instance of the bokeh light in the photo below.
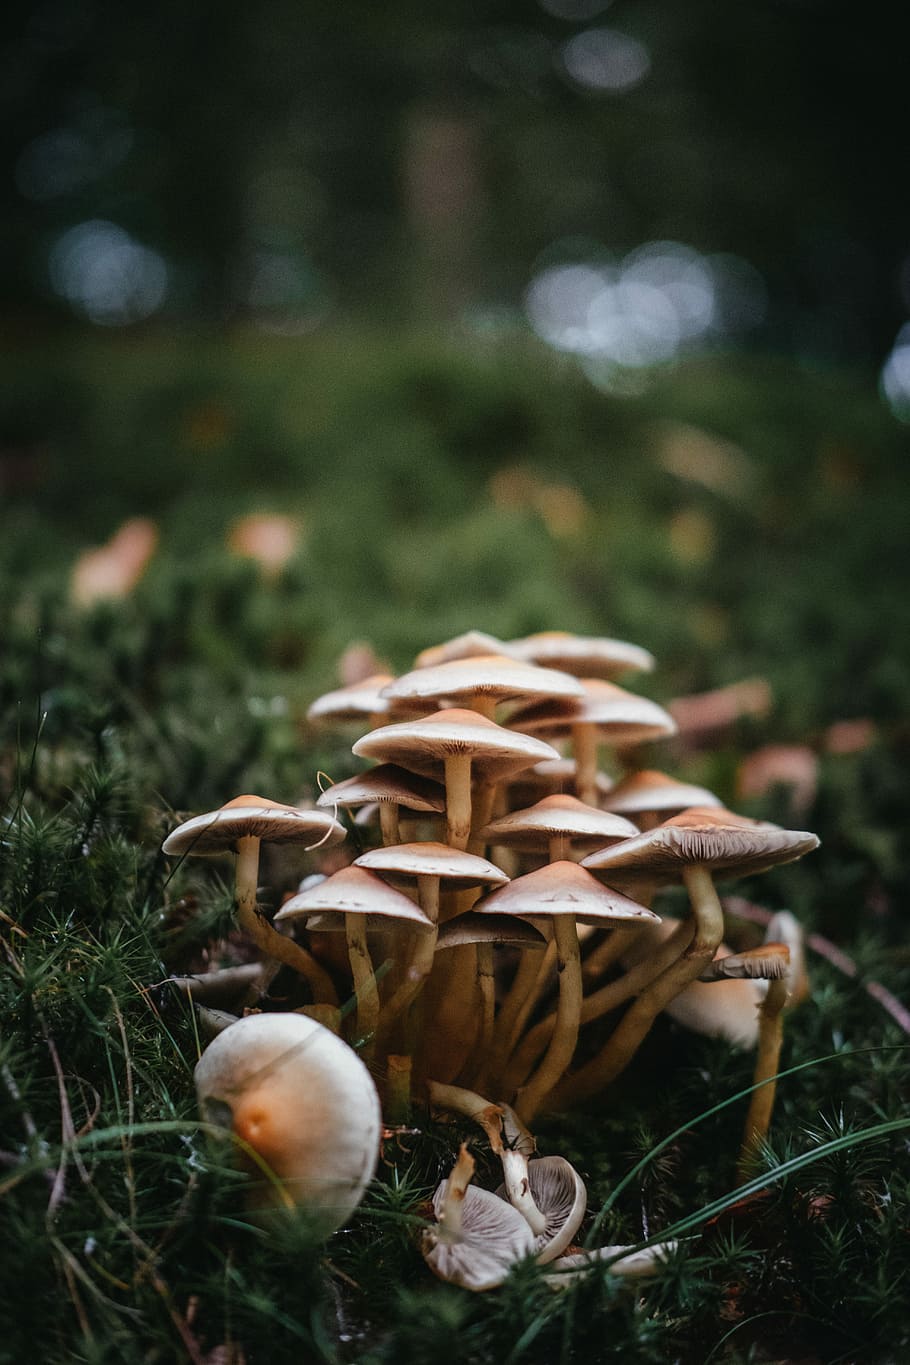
(895, 376)
(106, 275)
(605, 60)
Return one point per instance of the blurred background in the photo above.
(524, 314)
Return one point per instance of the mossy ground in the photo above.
(124, 1236)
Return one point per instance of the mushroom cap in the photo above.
(490, 675)
(564, 888)
(533, 827)
(769, 962)
(351, 703)
(423, 745)
(387, 782)
(304, 1101)
(494, 1236)
(354, 891)
(468, 646)
(506, 930)
(728, 844)
(432, 860)
(555, 775)
(559, 1192)
(651, 790)
(219, 830)
(582, 655)
(622, 717)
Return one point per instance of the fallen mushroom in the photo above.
(478, 1237)
(301, 1100)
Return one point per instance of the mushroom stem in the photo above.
(388, 823)
(450, 1215)
(770, 1039)
(584, 750)
(458, 800)
(599, 1003)
(364, 979)
(522, 982)
(605, 953)
(421, 963)
(636, 1023)
(486, 983)
(267, 938)
(568, 1017)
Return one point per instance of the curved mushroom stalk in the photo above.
(304, 1103)
(624, 1261)
(478, 1237)
(559, 1196)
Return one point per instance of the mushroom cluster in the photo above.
(503, 902)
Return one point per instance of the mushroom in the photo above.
(780, 994)
(688, 847)
(471, 645)
(298, 1098)
(360, 900)
(560, 1197)
(606, 712)
(479, 683)
(239, 827)
(391, 788)
(478, 1237)
(454, 743)
(358, 702)
(581, 655)
(566, 893)
(649, 796)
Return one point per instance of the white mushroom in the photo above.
(478, 1237)
(303, 1102)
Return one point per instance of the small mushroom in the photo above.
(239, 827)
(304, 1103)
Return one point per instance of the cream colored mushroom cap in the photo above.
(533, 827)
(353, 702)
(489, 675)
(422, 745)
(622, 717)
(651, 790)
(252, 816)
(468, 646)
(728, 844)
(582, 655)
(354, 891)
(432, 859)
(555, 775)
(564, 888)
(304, 1101)
(386, 783)
(559, 1192)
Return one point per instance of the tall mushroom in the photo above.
(584, 656)
(567, 894)
(690, 847)
(240, 827)
(359, 900)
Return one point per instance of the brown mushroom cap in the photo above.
(387, 782)
(355, 891)
(422, 745)
(583, 656)
(431, 859)
(491, 675)
(622, 717)
(564, 888)
(651, 790)
(252, 817)
(508, 931)
(728, 844)
(533, 827)
(768, 962)
(468, 646)
(351, 703)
